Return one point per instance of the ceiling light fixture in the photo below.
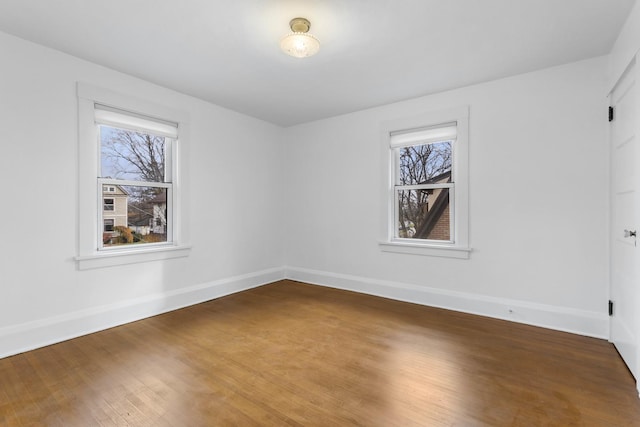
(299, 43)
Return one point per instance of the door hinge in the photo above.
(610, 308)
(610, 114)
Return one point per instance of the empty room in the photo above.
(319, 213)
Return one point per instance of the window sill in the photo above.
(130, 256)
(426, 250)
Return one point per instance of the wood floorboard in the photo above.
(292, 354)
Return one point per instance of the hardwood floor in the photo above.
(300, 355)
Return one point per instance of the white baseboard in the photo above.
(581, 322)
(17, 339)
(39, 333)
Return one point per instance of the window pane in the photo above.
(424, 164)
(134, 156)
(424, 214)
(139, 215)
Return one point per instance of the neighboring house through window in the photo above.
(159, 221)
(116, 212)
(426, 194)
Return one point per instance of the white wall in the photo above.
(538, 185)
(234, 214)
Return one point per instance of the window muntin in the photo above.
(423, 188)
(136, 160)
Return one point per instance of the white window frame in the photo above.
(458, 247)
(90, 185)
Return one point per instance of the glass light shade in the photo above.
(300, 45)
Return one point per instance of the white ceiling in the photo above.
(372, 52)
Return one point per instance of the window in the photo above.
(136, 157)
(128, 161)
(422, 164)
(426, 193)
(108, 225)
(108, 205)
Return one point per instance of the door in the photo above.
(625, 191)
